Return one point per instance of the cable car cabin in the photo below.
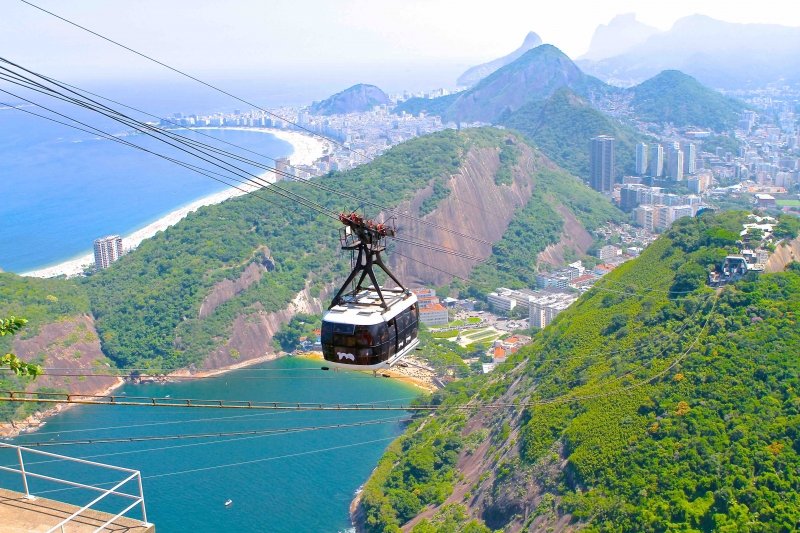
(359, 334)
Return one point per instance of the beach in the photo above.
(306, 149)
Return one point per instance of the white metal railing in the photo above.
(138, 500)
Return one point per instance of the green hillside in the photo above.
(675, 97)
(562, 127)
(147, 305)
(653, 404)
(533, 77)
(358, 98)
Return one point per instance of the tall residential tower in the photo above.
(106, 251)
(641, 159)
(601, 177)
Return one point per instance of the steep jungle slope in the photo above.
(653, 404)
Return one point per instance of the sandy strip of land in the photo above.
(306, 150)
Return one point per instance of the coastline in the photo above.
(306, 149)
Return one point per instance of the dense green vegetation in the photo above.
(675, 97)
(147, 305)
(301, 326)
(649, 409)
(513, 262)
(562, 127)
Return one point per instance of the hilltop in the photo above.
(562, 127)
(214, 289)
(654, 403)
(534, 76)
(475, 74)
(355, 99)
(675, 97)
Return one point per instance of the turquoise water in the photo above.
(282, 483)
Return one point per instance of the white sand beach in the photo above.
(306, 150)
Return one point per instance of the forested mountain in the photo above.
(562, 127)
(355, 99)
(654, 403)
(214, 289)
(475, 74)
(534, 76)
(675, 97)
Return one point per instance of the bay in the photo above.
(60, 189)
(291, 482)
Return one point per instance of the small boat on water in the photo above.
(228, 502)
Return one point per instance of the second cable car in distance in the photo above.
(368, 327)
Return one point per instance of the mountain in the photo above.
(654, 403)
(562, 127)
(358, 98)
(719, 54)
(534, 76)
(475, 74)
(675, 97)
(214, 289)
(622, 34)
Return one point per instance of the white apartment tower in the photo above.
(641, 159)
(657, 161)
(106, 251)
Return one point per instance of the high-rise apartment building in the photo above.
(675, 162)
(641, 159)
(106, 251)
(689, 158)
(657, 161)
(602, 169)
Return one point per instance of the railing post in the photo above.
(24, 475)
(141, 495)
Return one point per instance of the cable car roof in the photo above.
(365, 308)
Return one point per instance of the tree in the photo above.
(9, 326)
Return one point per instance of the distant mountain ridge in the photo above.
(720, 54)
(534, 76)
(475, 74)
(620, 35)
(358, 98)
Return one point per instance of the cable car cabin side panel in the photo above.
(365, 339)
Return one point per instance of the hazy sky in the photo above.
(256, 37)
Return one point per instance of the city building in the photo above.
(544, 308)
(106, 251)
(641, 159)
(608, 251)
(675, 163)
(433, 315)
(689, 158)
(501, 301)
(657, 161)
(601, 177)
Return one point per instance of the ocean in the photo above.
(279, 483)
(60, 188)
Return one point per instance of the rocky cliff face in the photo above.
(251, 333)
(71, 346)
(784, 254)
(476, 207)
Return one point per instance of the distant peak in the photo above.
(531, 40)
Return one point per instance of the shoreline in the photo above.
(36, 421)
(305, 150)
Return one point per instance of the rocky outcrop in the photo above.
(784, 254)
(476, 207)
(228, 288)
(574, 238)
(71, 346)
(251, 333)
